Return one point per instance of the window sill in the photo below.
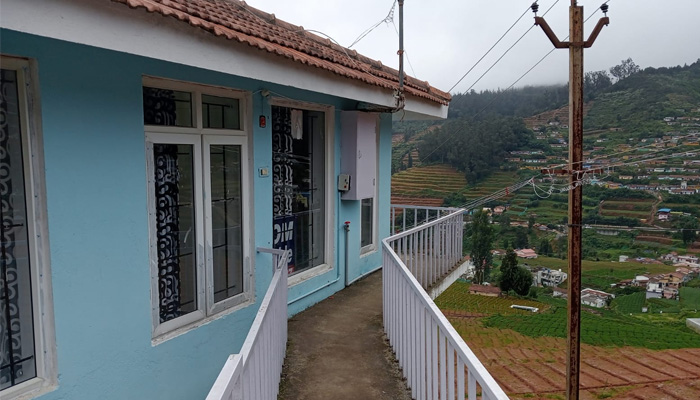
(164, 337)
(368, 250)
(308, 274)
(30, 389)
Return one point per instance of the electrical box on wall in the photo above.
(358, 153)
(343, 182)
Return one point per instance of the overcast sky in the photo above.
(444, 38)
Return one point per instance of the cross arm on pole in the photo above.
(605, 21)
(539, 21)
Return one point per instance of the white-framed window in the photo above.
(27, 336)
(302, 173)
(198, 201)
(369, 209)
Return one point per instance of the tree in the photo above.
(530, 223)
(594, 82)
(544, 247)
(521, 241)
(482, 243)
(624, 70)
(509, 267)
(689, 228)
(514, 277)
(504, 222)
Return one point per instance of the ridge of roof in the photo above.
(235, 20)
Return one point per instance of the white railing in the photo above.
(254, 373)
(435, 360)
(406, 217)
(431, 250)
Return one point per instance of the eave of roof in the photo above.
(237, 21)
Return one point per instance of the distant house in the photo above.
(679, 277)
(526, 253)
(640, 280)
(483, 290)
(595, 298)
(559, 292)
(655, 288)
(548, 277)
(663, 214)
(669, 293)
(624, 258)
(688, 259)
(498, 210)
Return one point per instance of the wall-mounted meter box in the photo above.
(358, 153)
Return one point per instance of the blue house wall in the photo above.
(94, 149)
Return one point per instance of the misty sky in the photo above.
(444, 38)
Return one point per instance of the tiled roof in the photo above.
(484, 289)
(237, 21)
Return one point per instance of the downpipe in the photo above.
(346, 227)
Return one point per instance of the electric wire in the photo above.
(508, 50)
(489, 50)
(636, 148)
(495, 99)
(387, 19)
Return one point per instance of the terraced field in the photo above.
(622, 358)
(631, 208)
(436, 181)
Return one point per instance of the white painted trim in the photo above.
(330, 195)
(372, 247)
(196, 143)
(37, 232)
(116, 27)
(245, 295)
(200, 139)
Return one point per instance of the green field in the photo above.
(690, 298)
(457, 297)
(601, 330)
(629, 304)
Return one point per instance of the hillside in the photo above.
(641, 132)
(640, 102)
(426, 186)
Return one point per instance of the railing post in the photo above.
(433, 357)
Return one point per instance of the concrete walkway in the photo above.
(337, 349)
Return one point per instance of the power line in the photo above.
(495, 99)
(509, 49)
(387, 19)
(489, 50)
(636, 148)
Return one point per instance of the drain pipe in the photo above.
(346, 227)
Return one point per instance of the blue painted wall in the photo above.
(96, 196)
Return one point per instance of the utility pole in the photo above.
(575, 171)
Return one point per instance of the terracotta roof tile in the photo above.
(237, 21)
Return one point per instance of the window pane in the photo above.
(17, 363)
(175, 229)
(226, 213)
(299, 203)
(366, 222)
(167, 107)
(220, 112)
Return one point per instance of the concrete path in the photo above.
(337, 349)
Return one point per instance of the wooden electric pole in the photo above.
(575, 171)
